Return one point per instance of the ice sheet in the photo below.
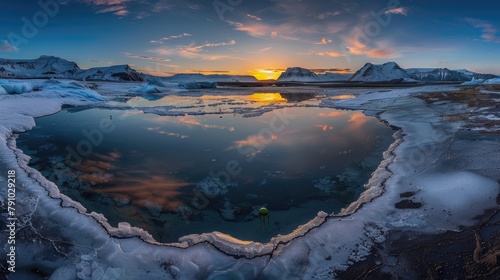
(69, 243)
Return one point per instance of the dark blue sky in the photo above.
(254, 37)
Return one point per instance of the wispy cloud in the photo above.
(323, 41)
(398, 11)
(5, 46)
(488, 29)
(265, 49)
(322, 53)
(116, 7)
(145, 57)
(139, 8)
(162, 40)
(336, 70)
(328, 14)
(195, 51)
(253, 17)
(288, 30)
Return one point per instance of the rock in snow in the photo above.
(380, 73)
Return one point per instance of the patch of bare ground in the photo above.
(484, 112)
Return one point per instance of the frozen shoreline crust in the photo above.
(333, 246)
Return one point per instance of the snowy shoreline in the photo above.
(330, 240)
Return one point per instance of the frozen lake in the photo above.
(211, 162)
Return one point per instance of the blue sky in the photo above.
(254, 37)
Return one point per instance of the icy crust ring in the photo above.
(222, 242)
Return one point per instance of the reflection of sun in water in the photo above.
(266, 97)
(343, 96)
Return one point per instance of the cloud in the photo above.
(398, 11)
(116, 7)
(117, 10)
(324, 70)
(5, 46)
(195, 51)
(289, 30)
(323, 41)
(162, 40)
(265, 49)
(253, 17)
(147, 57)
(139, 8)
(323, 53)
(328, 14)
(488, 29)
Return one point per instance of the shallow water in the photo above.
(178, 175)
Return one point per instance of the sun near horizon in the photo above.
(266, 74)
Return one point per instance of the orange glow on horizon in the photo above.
(266, 74)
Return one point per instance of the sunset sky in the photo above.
(255, 37)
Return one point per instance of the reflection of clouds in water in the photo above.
(333, 114)
(358, 120)
(254, 144)
(96, 170)
(158, 191)
(190, 121)
(163, 132)
(324, 127)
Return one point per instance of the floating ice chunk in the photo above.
(473, 82)
(494, 81)
(145, 89)
(228, 211)
(69, 90)
(213, 187)
(325, 184)
(15, 87)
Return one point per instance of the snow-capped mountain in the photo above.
(445, 74)
(380, 73)
(55, 67)
(44, 66)
(111, 73)
(298, 74)
(196, 77)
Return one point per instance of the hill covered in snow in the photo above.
(55, 67)
(298, 74)
(380, 73)
(445, 74)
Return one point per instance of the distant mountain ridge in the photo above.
(54, 67)
(445, 74)
(198, 77)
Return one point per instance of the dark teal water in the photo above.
(177, 175)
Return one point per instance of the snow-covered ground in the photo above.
(440, 175)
